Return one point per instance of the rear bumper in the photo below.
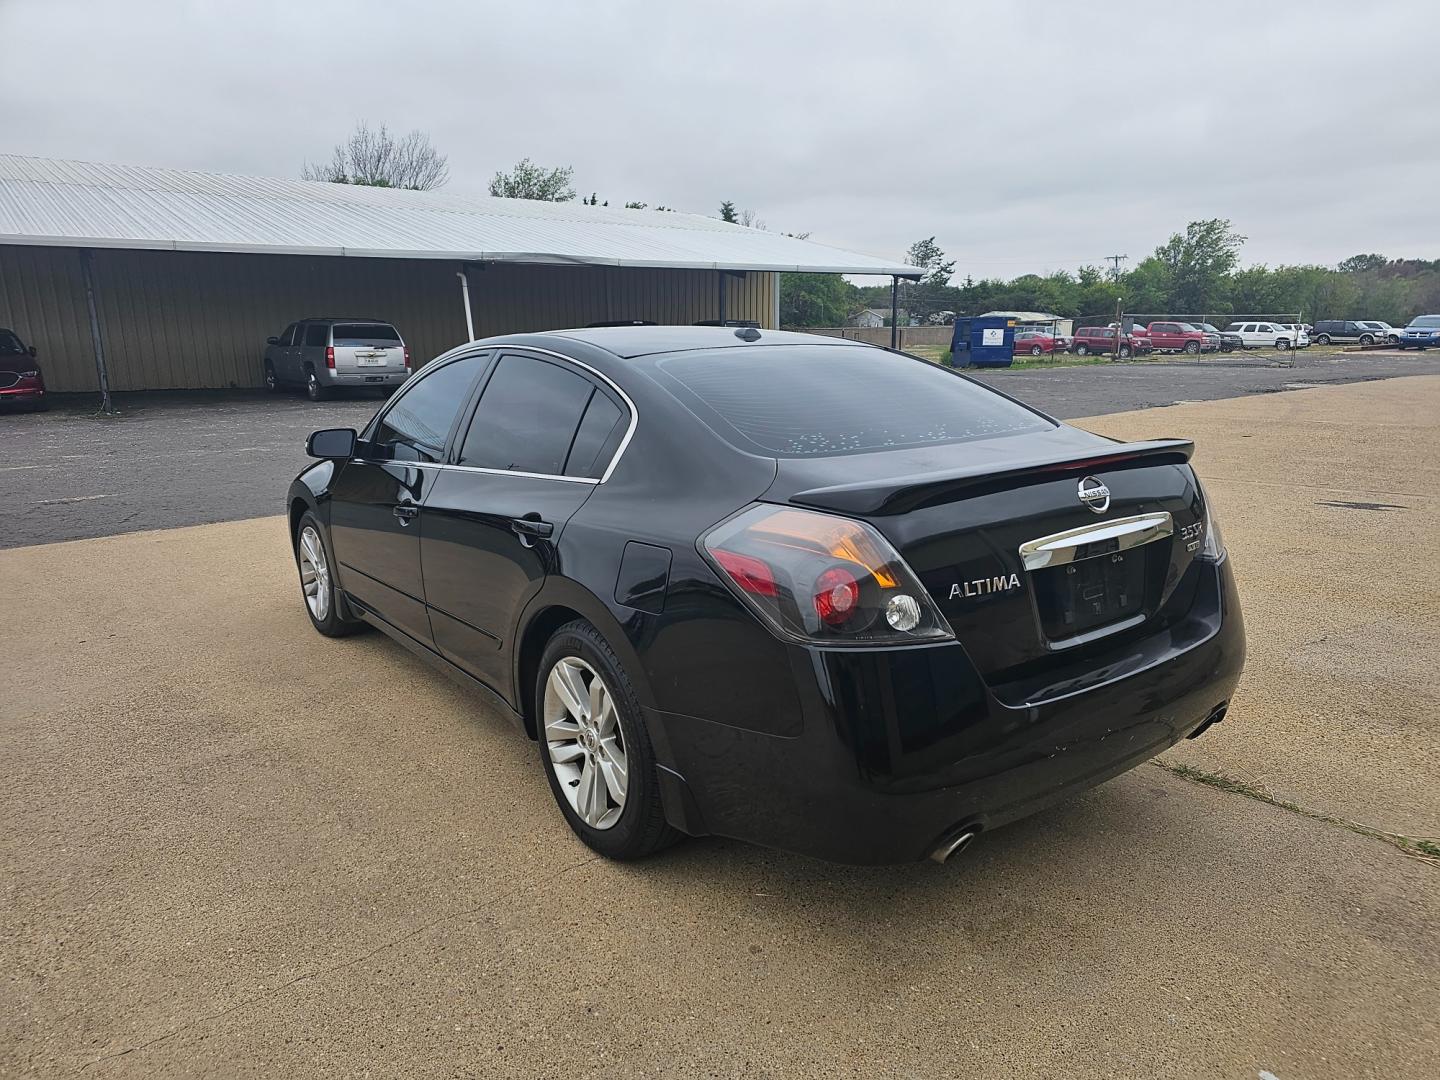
(902, 747)
(363, 378)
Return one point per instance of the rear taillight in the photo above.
(1212, 546)
(407, 359)
(330, 357)
(821, 578)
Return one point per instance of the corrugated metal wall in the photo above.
(200, 319)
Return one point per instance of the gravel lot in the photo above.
(170, 459)
(233, 848)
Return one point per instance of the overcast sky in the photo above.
(1034, 135)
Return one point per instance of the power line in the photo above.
(1117, 260)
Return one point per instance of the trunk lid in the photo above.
(367, 349)
(1030, 575)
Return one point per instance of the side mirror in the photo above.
(272, 340)
(332, 444)
(32, 352)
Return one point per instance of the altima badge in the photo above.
(1094, 494)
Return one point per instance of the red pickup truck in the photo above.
(1176, 337)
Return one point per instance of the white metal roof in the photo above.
(1023, 316)
(84, 204)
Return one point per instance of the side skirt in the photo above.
(464, 678)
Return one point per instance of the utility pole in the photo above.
(1117, 260)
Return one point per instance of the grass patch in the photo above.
(1426, 849)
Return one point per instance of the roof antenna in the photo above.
(748, 333)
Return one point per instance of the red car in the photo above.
(1101, 339)
(1038, 343)
(20, 380)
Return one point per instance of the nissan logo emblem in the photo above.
(1094, 494)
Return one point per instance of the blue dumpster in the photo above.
(988, 342)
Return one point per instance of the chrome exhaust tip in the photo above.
(953, 846)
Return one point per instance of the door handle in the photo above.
(406, 513)
(531, 526)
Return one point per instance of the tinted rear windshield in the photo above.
(365, 334)
(817, 401)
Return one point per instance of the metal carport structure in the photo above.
(172, 278)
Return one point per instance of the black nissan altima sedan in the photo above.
(794, 590)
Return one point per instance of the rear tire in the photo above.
(315, 390)
(1324, 339)
(595, 749)
(1082, 350)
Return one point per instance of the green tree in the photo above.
(372, 157)
(530, 181)
(727, 212)
(816, 299)
(1198, 263)
(926, 255)
(1359, 264)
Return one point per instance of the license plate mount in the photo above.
(1089, 594)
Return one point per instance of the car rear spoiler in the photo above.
(897, 495)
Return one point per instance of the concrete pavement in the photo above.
(234, 848)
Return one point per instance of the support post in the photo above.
(464, 277)
(87, 261)
(723, 276)
(895, 311)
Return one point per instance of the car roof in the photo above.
(344, 318)
(631, 341)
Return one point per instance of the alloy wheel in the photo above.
(314, 573)
(585, 743)
(270, 381)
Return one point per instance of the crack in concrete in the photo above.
(1424, 849)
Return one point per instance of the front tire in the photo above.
(272, 383)
(1124, 352)
(1365, 339)
(1281, 344)
(1035, 350)
(1192, 347)
(1082, 350)
(318, 587)
(595, 749)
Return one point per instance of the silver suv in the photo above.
(321, 354)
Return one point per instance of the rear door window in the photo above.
(817, 400)
(416, 425)
(599, 432)
(365, 335)
(316, 335)
(527, 418)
